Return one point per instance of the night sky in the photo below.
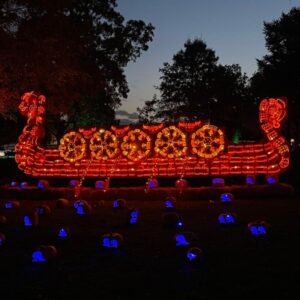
(233, 28)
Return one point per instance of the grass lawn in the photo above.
(236, 265)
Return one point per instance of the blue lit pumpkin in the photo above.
(112, 240)
(226, 198)
(272, 179)
(194, 255)
(151, 183)
(227, 219)
(250, 180)
(82, 207)
(43, 184)
(218, 182)
(102, 184)
(185, 239)
(31, 219)
(133, 216)
(14, 184)
(181, 240)
(63, 232)
(24, 185)
(44, 253)
(12, 204)
(38, 256)
(170, 203)
(119, 204)
(73, 182)
(259, 228)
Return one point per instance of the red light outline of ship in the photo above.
(269, 157)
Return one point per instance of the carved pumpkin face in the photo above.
(63, 232)
(194, 255)
(258, 228)
(82, 207)
(170, 203)
(152, 183)
(227, 219)
(226, 198)
(112, 240)
(185, 239)
(133, 216)
(43, 184)
(31, 219)
(272, 179)
(218, 182)
(119, 203)
(181, 240)
(250, 179)
(12, 204)
(44, 253)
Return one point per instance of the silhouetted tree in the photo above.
(147, 114)
(73, 51)
(279, 71)
(195, 86)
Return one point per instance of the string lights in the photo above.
(188, 148)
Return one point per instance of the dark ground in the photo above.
(236, 265)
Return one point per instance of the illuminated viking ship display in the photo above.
(182, 149)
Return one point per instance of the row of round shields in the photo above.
(171, 142)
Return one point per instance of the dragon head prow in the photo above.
(32, 104)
